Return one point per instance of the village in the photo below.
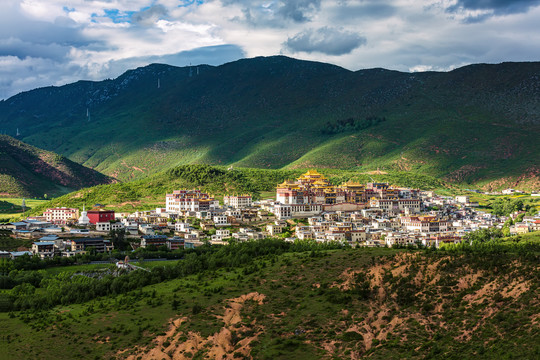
(308, 208)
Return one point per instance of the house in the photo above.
(335, 236)
(462, 199)
(182, 227)
(16, 254)
(191, 237)
(274, 229)
(79, 231)
(206, 226)
(223, 233)
(425, 223)
(44, 249)
(146, 229)
(175, 243)
(304, 235)
(96, 243)
(240, 236)
(221, 220)
(108, 226)
(156, 240)
(520, 228)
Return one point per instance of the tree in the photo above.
(118, 239)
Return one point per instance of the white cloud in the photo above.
(58, 41)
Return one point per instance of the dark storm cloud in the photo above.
(326, 40)
(495, 7)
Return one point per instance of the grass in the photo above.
(31, 172)
(304, 315)
(10, 208)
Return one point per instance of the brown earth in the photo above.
(174, 345)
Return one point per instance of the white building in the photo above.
(221, 220)
(462, 199)
(108, 226)
(182, 227)
(287, 211)
(61, 216)
(274, 229)
(189, 200)
(223, 233)
(238, 201)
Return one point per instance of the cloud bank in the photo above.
(55, 42)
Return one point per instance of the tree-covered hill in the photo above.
(26, 171)
(147, 193)
(477, 124)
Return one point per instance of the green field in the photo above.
(11, 207)
(305, 305)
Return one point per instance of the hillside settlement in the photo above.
(308, 208)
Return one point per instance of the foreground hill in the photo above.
(275, 300)
(26, 171)
(478, 124)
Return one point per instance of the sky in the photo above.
(54, 42)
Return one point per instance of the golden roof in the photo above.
(311, 174)
(288, 183)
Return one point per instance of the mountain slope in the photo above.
(474, 124)
(26, 171)
(269, 299)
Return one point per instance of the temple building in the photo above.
(189, 200)
(314, 188)
(313, 193)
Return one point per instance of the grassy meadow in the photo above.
(319, 304)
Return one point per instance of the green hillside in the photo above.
(477, 124)
(26, 171)
(149, 193)
(275, 300)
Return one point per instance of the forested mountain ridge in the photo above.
(476, 124)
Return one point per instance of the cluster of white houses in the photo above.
(375, 214)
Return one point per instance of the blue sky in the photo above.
(54, 42)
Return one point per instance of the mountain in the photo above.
(477, 124)
(26, 171)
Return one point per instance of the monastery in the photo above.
(313, 193)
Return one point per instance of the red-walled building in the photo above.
(96, 216)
